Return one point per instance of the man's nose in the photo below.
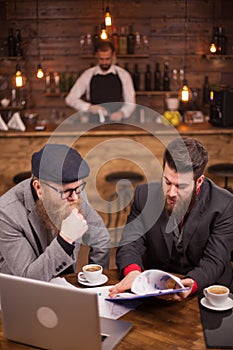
(172, 191)
(73, 196)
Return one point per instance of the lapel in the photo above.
(35, 223)
(194, 217)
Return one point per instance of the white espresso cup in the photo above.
(216, 295)
(92, 272)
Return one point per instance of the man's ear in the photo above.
(37, 186)
(199, 181)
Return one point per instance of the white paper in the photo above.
(152, 283)
(107, 308)
(16, 122)
(3, 125)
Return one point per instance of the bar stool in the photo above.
(222, 169)
(21, 176)
(123, 196)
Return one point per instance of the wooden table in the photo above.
(157, 324)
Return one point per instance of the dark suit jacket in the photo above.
(207, 234)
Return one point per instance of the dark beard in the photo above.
(52, 220)
(181, 208)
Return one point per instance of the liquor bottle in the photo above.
(96, 37)
(166, 78)
(115, 40)
(130, 41)
(18, 48)
(221, 42)
(148, 76)
(157, 77)
(136, 78)
(122, 42)
(206, 91)
(11, 43)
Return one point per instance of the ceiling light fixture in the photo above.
(108, 19)
(39, 72)
(185, 93)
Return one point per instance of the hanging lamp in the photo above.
(185, 94)
(39, 72)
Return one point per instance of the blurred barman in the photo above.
(105, 83)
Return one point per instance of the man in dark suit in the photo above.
(183, 224)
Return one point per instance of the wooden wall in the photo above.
(61, 24)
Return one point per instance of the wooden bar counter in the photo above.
(110, 147)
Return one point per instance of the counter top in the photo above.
(119, 130)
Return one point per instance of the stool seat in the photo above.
(222, 169)
(126, 175)
(21, 176)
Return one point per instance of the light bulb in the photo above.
(213, 48)
(108, 19)
(39, 73)
(185, 93)
(18, 77)
(103, 34)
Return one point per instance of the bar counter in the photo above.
(112, 145)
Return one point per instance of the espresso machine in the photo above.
(221, 108)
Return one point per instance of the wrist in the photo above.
(130, 268)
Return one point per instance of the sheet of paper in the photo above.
(107, 308)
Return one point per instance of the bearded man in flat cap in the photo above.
(44, 219)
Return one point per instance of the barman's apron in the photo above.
(105, 89)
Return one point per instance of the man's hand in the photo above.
(117, 116)
(73, 227)
(124, 284)
(187, 282)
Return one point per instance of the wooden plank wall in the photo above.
(60, 25)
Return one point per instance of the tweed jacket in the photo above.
(147, 238)
(23, 240)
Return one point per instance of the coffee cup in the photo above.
(216, 295)
(92, 272)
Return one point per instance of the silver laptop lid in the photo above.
(55, 317)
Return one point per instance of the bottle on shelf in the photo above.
(96, 36)
(11, 43)
(136, 78)
(157, 78)
(115, 39)
(138, 44)
(206, 91)
(221, 42)
(122, 42)
(18, 45)
(130, 41)
(175, 83)
(148, 78)
(166, 78)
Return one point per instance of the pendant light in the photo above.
(185, 93)
(39, 72)
(18, 76)
(103, 34)
(214, 40)
(108, 19)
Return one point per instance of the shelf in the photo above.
(218, 57)
(121, 56)
(12, 58)
(156, 93)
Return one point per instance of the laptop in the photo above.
(51, 316)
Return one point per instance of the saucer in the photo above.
(228, 304)
(103, 279)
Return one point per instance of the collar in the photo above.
(112, 70)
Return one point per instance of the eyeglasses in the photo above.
(67, 193)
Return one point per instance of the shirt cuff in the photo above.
(68, 248)
(130, 268)
(194, 287)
